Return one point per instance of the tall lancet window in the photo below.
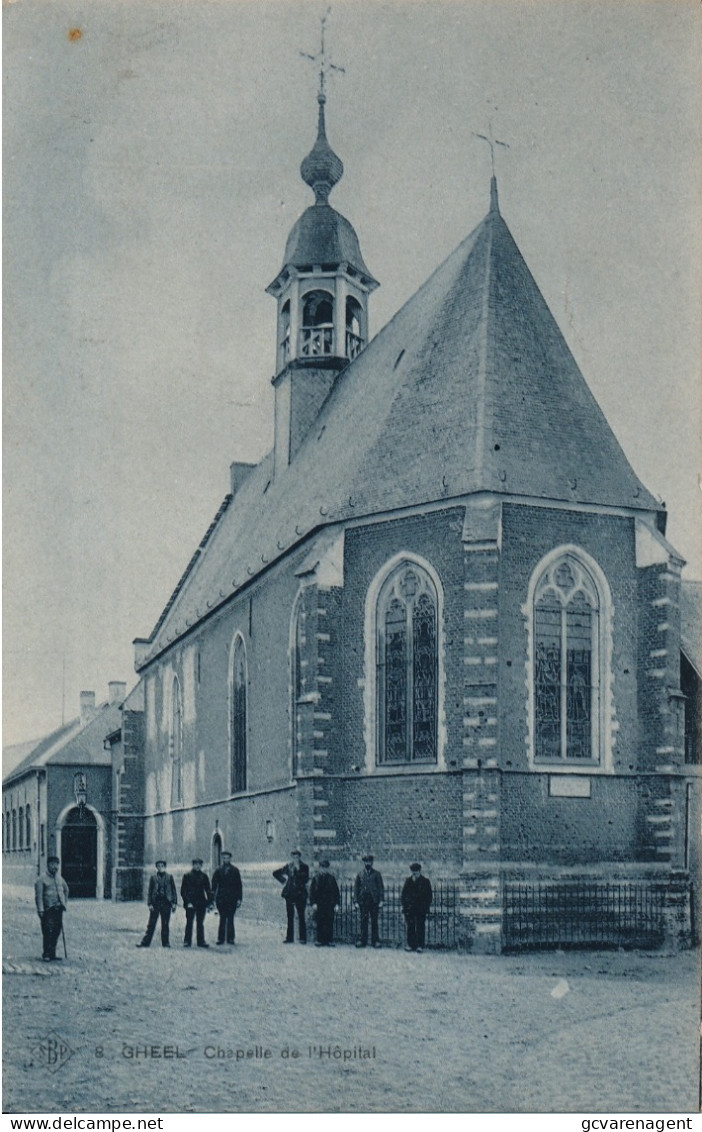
(238, 717)
(317, 334)
(176, 743)
(567, 654)
(407, 667)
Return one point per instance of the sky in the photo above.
(151, 177)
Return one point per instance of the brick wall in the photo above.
(397, 817)
(128, 867)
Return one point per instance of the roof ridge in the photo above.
(191, 565)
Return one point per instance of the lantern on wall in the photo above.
(80, 789)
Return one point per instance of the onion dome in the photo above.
(321, 169)
(322, 237)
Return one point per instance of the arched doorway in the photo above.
(216, 850)
(79, 852)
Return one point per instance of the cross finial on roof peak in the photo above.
(492, 141)
(325, 63)
(321, 169)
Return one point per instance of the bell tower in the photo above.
(321, 293)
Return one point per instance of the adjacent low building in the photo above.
(59, 800)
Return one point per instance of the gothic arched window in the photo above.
(20, 828)
(317, 335)
(176, 743)
(14, 829)
(28, 827)
(407, 667)
(567, 656)
(216, 854)
(238, 718)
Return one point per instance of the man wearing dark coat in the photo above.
(416, 901)
(162, 899)
(294, 877)
(227, 891)
(325, 899)
(368, 894)
(197, 898)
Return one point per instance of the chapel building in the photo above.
(440, 620)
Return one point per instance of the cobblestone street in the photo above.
(155, 1031)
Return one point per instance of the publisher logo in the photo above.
(51, 1052)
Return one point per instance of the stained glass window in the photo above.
(238, 719)
(407, 659)
(566, 664)
(176, 742)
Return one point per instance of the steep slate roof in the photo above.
(470, 387)
(73, 744)
(691, 623)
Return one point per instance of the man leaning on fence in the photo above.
(416, 901)
(368, 894)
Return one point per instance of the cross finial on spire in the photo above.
(492, 142)
(325, 63)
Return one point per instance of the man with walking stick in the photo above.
(51, 895)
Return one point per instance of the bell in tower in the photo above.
(322, 294)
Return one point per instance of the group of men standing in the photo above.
(369, 896)
(198, 896)
(225, 893)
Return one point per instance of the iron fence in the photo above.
(576, 914)
(442, 927)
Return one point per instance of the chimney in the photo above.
(117, 691)
(87, 706)
(238, 472)
(141, 648)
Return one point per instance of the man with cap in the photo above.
(51, 897)
(226, 887)
(325, 899)
(416, 901)
(294, 877)
(369, 894)
(197, 898)
(162, 899)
